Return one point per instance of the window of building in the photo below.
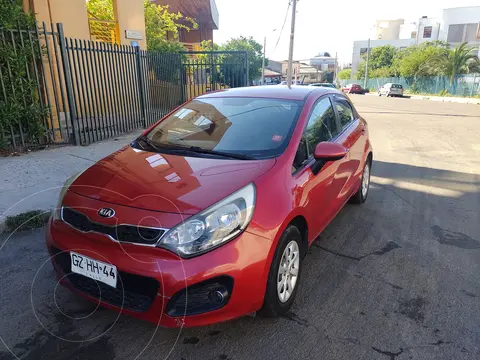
(471, 33)
(427, 32)
(455, 33)
(363, 51)
(414, 35)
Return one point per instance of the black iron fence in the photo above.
(86, 91)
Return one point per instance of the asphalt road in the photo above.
(396, 278)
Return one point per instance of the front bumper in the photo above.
(154, 277)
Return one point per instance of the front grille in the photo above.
(133, 292)
(124, 233)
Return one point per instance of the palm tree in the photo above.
(456, 61)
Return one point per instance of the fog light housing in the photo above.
(200, 298)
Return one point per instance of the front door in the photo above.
(318, 193)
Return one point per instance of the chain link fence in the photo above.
(462, 85)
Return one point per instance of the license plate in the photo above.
(94, 269)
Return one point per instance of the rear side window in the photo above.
(345, 112)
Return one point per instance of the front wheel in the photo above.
(284, 276)
(362, 193)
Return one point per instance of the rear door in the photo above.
(352, 137)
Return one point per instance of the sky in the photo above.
(321, 25)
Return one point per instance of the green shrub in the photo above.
(27, 221)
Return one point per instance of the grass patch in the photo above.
(27, 220)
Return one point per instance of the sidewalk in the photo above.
(461, 100)
(33, 181)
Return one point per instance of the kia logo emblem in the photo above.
(106, 213)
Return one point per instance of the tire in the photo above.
(274, 304)
(379, 93)
(361, 195)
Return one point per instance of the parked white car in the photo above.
(391, 90)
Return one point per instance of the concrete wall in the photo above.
(457, 16)
(131, 16)
(407, 30)
(388, 29)
(421, 33)
(72, 13)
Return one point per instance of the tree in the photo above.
(457, 61)
(382, 57)
(254, 50)
(101, 9)
(20, 101)
(345, 74)
(162, 27)
(414, 61)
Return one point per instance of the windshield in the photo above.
(396, 86)
(255, 127)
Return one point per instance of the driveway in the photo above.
(396, 278)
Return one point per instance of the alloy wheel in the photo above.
(365, 181)
(288, 271)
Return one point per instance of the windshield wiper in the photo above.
(219, 153)
(192, 149)
(149, 142)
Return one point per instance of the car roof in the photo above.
(268, 92)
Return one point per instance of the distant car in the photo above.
(293, 83)
(391, 90)
(353, 89)
(324, 85)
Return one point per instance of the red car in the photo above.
(208, 215)
(353, 89)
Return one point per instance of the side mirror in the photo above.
(328, 151)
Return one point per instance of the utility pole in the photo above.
(263, 62)
(336, 66)
(366, 65)
(292, 38)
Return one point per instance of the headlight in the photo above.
(63, 191)
(213, 226)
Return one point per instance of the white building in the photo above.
(460, 25)
(456, 26)
(388, 29)
(321, 62)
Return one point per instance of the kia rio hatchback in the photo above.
(208, 215)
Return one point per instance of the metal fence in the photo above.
(89, 91)
(210, 71)
(463, 85)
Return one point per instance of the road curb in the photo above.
(440, 99)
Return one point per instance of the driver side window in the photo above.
(321, 126)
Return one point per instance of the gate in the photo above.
(85, 91)
(205, 71)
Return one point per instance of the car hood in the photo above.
(166, 183)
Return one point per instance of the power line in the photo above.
(283, 26)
